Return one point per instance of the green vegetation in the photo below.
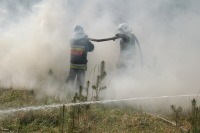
(85, 118)
(195, 117)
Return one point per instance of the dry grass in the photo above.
(108, 118)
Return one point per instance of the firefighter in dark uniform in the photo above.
(129, 47)
(80, 46)
(128, 43)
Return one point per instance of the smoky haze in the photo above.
(34, 37)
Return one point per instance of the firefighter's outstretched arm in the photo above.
(123, 36)
(105, 39)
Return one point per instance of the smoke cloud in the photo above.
(34, 37)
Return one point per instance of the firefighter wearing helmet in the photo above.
(128, 42)
(80, 46)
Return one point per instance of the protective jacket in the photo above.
(79, 49)
(127, 44)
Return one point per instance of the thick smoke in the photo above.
(34, 37)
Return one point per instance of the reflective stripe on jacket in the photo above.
(78, 66)
(79, 49)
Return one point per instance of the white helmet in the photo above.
(78, 29)
(124, 28)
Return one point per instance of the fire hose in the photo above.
(102, 40)
(114, 38)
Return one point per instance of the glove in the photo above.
(118, 35)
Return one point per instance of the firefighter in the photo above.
(80, 46)
(128, 44)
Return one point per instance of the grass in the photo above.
(101, 118)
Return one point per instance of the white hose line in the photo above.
(12, 110)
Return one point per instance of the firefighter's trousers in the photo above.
(76, 73)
